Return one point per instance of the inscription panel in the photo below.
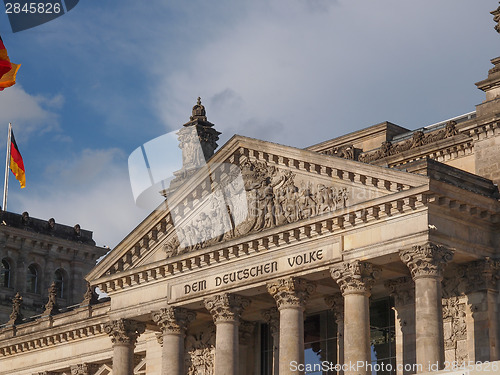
(255, 271)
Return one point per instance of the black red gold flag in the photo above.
(16, 162)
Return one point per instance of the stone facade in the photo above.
(36, 254)
(379, 247)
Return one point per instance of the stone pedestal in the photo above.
(226, 310)
(355, 280)
(124, 335)
(291, 295)
(426, 263)
(173, 323)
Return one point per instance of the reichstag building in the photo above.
(376, 252)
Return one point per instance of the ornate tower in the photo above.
(198, 141)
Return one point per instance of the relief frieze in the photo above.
(262, 196)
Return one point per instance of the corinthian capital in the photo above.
(272, 317)
(355, 277)
(291, 292)
(402, 289)
(173, 319)
(335, 303)
(226, 307)
(123, 331)
(428, 260)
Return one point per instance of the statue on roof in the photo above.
(496, 18)
(16, 317)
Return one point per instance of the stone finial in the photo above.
(124, 331)
(496, 18)
(356, 277)
(198, 111)
(427, 260)
(15, 316)
(173, 319)
(90, 297)
(226, 307)
(291, 292)
(51, 307)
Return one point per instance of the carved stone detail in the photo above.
(455, 329)
(355, 277)
(90, 297)
(335, 303)
(419, 138)
(173, 319)
(226, 307)
(124, 331)
(272, 317)
(291, 292)
(496, 18)
(16, 317)
(426, 260)
(273, 198)
(84, 369)
(402, 290)
(200, 352)
(51, 308)
(345, 152)
(245, 332)
(482, 274)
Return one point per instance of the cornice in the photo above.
(47, 332)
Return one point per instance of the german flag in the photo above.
(8, 70)
(16, 162)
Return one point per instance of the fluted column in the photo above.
(173, 323)
(226, 310)
(336, 304)
(403, 291)
(426, 263)
(355, 280)
(124, 334)
(291, 295)
(272, 317)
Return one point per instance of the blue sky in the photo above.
(111, 75)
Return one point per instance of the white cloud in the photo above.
(91, 188)
(30, 113)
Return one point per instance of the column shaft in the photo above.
(356, 332)
(291, 341)
(226, 348)
(172, 354)
(429, 323)
(123, 359)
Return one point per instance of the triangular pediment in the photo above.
(250, 186)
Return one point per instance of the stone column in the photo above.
(124, 334)
(272, 317)
(355, 280)
(403, 292)
(226, 310)
(336, 304)
(482, 296)
(246, 347)
(426, 263)
(173, 323)
(291, 295)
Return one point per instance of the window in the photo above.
(5, 274)
(32, 279)
(320, 343)
(383, 337)
(59, 281)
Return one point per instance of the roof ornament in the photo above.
(16, 317)
(496, 18)
(51, 308)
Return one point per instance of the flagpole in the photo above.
(7, 162)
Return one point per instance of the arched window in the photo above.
(32, 279)
(5, 274)
(59, 280)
